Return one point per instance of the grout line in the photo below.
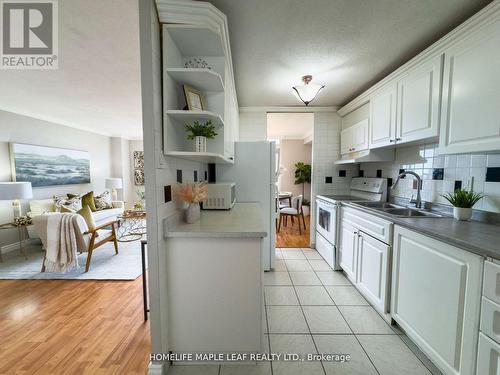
(343, 317)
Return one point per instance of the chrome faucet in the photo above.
(418, 201)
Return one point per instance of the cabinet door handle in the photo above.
(397, 139)
(353, 149)
(392, 140)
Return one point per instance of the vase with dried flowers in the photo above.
(192, 194)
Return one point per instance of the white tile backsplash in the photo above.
(424, 159)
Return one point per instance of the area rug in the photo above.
(105, 264)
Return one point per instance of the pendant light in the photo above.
(308, 91)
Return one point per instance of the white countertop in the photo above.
(243, 220)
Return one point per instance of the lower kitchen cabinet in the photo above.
(373, 268)
(488, 358)
(365, 259)
(436, 294)
(348, 250)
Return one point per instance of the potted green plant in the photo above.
(200, 132)
(462, 202)
(303, 176)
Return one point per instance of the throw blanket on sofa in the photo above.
(61, 248)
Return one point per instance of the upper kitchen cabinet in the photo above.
(354, 138)
(419, 94)
(470, 120)
(382, 130)
(196, 53)
(448, 92)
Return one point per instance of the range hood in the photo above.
(367, 156)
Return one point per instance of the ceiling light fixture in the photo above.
(308, 91)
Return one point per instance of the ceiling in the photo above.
(97, 85)
(289, 125)
(348, 45)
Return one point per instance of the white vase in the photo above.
(305, 210)
(461, 213)
(200, 144)
(192, 213)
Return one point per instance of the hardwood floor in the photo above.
(72, 327)
(289, 236)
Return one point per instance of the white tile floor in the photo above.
(311, 309)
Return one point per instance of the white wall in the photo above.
(23, 129)
(253, 126)
(326, 149)
(293, 151)
(159, 172)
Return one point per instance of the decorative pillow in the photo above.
(103, 201)
(65, 209)
(74, 203)
(88, 200)
(86, 213)
(41, 206)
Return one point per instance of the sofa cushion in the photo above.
(40, 206)
(103, 216)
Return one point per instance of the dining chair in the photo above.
(294, 211)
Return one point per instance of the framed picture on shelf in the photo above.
(194, 99)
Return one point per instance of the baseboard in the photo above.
(156, 369)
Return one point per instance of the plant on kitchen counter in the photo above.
(462, 202)
(200, 132)
(192, 194)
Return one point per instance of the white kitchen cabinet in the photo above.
(348, 250)
(382, 130)
(488, 358)
(354, 138)
(471, 96)
(373, 267)
(419, 95)
(435, 298)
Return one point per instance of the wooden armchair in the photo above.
(89, 240)
(98, 237)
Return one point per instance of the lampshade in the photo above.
(15, 190)
(114, 183)
(308, 91)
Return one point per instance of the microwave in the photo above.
(221, 196)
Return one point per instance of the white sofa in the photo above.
(41, 206)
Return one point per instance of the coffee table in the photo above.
(131, 226)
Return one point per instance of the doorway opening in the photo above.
(293, 134)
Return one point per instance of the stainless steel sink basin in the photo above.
(379, 205)
(410, 212)
(399, 211)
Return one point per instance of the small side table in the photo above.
(23, 236)
(131, 226)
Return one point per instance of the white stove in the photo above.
(327, 209)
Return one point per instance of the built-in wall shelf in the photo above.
(201, 157)
(190, 116)
(194, 40)
(199, 78)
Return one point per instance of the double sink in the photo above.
(399, 211)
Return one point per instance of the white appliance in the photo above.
(327, 214)
(220, 196)
(254, 174)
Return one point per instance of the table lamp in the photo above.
(14, 191)
(113, 184)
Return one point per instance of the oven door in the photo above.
(326, 219)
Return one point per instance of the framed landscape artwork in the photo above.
(49, 166)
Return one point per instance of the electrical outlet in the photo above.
(167, 190)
